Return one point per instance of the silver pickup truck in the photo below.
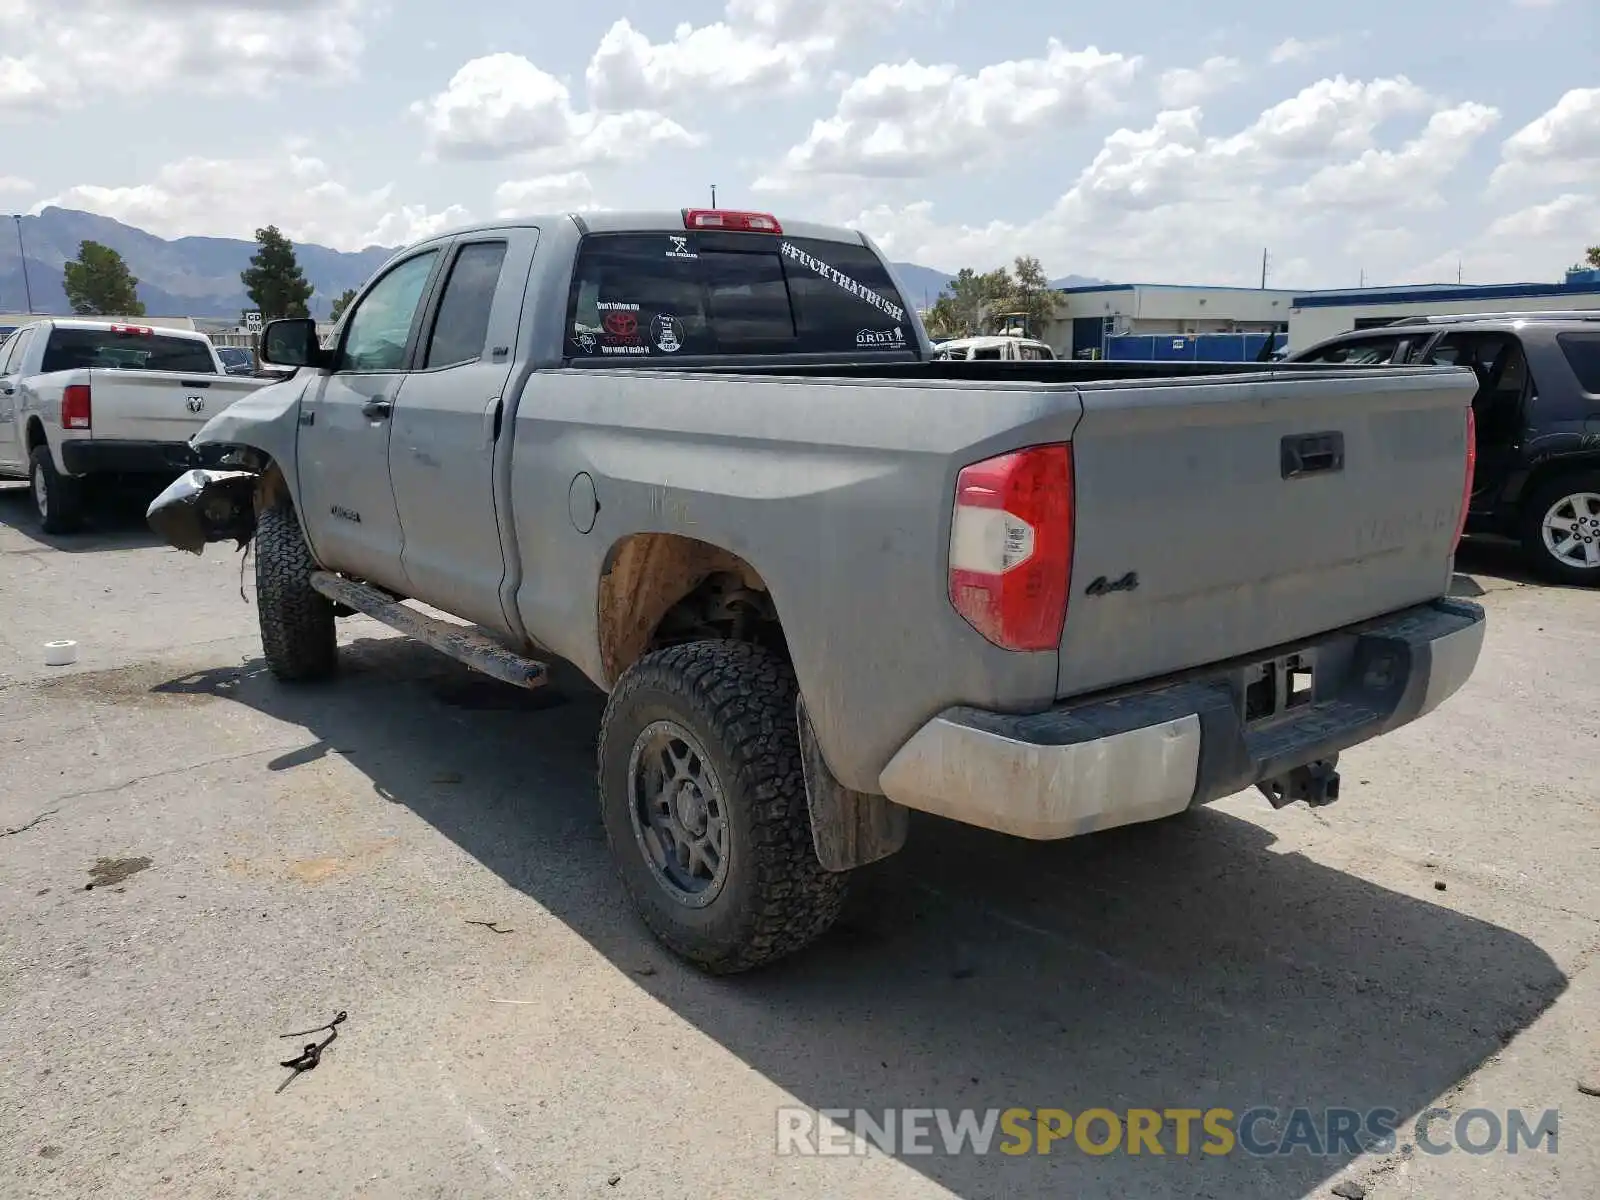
(706, 457)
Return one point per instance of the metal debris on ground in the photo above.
(308, 1058)
(491, 926)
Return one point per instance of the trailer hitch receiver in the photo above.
(1317, 783)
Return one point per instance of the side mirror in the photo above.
(292, 342)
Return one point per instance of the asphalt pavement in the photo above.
(195, 860)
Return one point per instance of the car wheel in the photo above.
(704, 804)
(298, 638)
(1561, 528)
(58, 497)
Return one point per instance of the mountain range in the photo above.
(199, 276)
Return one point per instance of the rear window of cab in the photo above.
(683, 295)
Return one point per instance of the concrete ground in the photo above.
(266, 856)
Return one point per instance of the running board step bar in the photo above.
(465, 645)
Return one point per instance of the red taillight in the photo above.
(132, 330)
(75, 410)
(739, 222)
(1011, 546)
(1472, 467)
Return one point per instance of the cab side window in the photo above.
(378, 332)
(17, 351)
(461, 326)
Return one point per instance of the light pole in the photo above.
(23, 254)
(713, 195)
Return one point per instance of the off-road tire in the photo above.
(1531, 521)
(738, 700)
(61, 510)
(298, 637)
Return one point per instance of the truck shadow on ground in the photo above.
(1180, 965)
(115, 520)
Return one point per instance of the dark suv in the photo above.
(1538, 419)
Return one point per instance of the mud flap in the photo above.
(849, 828)
(203, 506)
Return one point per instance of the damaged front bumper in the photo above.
(206, 505)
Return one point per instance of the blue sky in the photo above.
(1399, 142)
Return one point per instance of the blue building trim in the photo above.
(1435, 295)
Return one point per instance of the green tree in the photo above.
(1030, 294)
(274, 281)
(942, 321)
(100, 284)
(972, 300)
(342, 302)
(1591, 257)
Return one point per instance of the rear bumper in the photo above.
(98, 456)
(1167, 746)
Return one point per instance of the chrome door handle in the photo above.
(376, 409)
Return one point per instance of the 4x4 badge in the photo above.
(1104, 587)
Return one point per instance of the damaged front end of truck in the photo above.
(244, 463)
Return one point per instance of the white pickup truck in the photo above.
(81, 399)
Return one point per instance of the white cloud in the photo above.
(570, 192)
(1307, 179)
(233, 197)
(1183, 86)
(14, 183)
(761, 46)
(1293, 50)
(1561, 146)
(1534, 243)
(502, 105)
(62, 54)
(629, 71)
(1405, 178)
(908, 120)
(816, 18)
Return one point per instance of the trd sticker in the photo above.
(842, 281)
(678, 247)
(667, 333)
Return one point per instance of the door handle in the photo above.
(376, 409)
(1311, 454)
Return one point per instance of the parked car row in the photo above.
(710, 459)
(1537, 412)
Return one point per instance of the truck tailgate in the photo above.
(159, 406)
(1209, 526)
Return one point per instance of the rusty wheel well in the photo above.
(659, 589)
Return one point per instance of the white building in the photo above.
(1318, 315)
(1085, 316)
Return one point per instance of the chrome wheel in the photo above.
(679, 812)
(41, 492)
(1571, 530)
